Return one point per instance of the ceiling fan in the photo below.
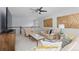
(39, 10)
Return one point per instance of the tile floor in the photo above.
(24, 44)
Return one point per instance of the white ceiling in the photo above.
(26, 11)
(51, 11)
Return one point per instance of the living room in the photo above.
(31, 25)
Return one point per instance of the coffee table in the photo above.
(37, 37)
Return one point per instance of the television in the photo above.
(5, 20)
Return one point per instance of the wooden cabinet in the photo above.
(70, 21)
(7, 42)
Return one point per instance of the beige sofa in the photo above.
(27, 31)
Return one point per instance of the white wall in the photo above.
(21, 21)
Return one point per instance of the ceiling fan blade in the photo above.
(43, 11)
(36, 10)
(40, 8)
